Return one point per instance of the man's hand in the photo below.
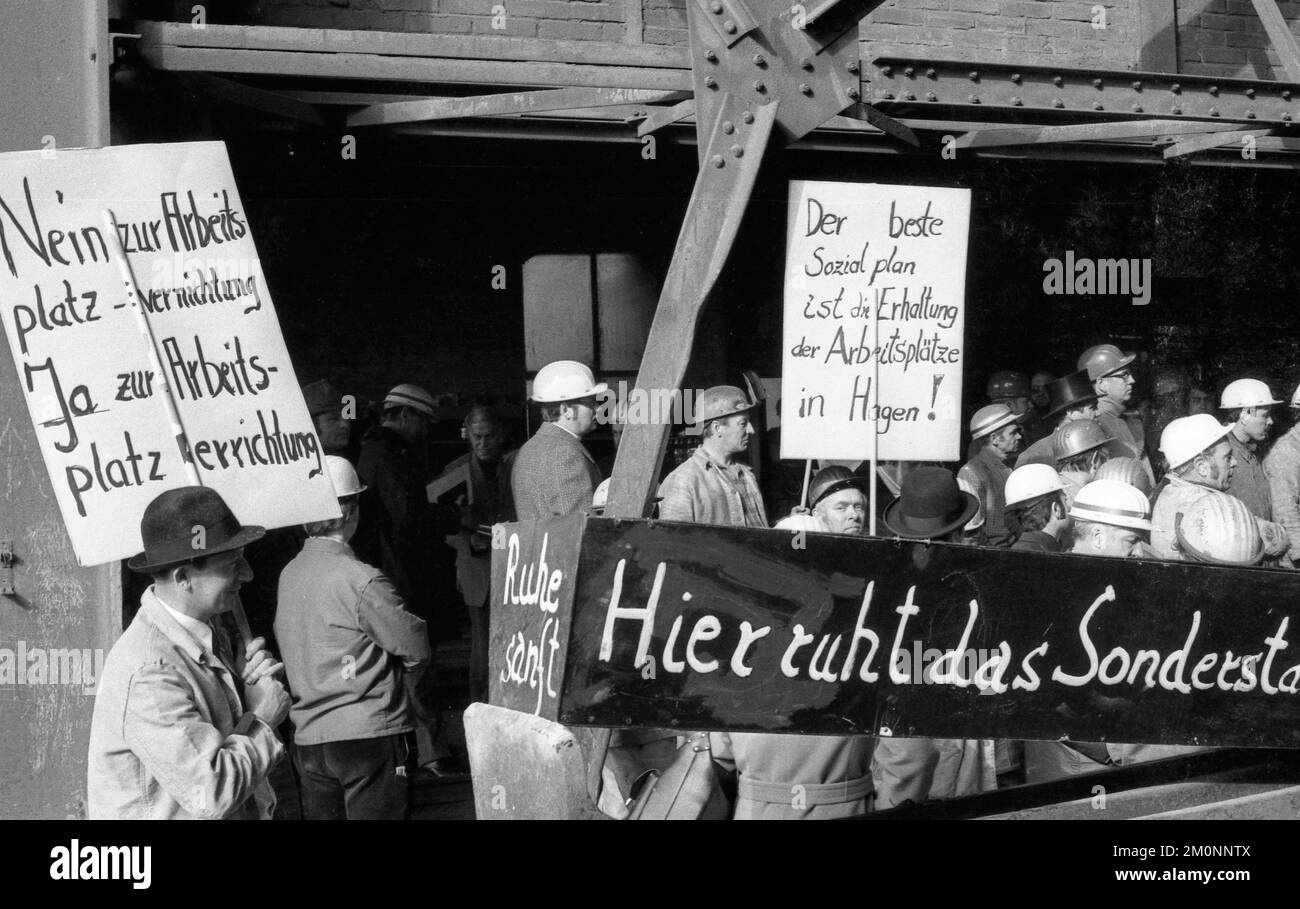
(269, 700)
(259, 663)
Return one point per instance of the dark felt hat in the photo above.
(930, 504)
(830, 480)
(321, 397)
(170, 528)
(1070, 391)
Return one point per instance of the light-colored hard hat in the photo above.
(1102, 360)
(990, 419)
(1008, 384)
(344, 476)
(1186, 437)
(412, 396)
(565, 380)
(601, 495)
(1295, 398)
(1030, 482)
(720, 401)
(1112, 502)
(1220, 530)
(1077, 437)
(1246, 393)
(1126, 470)
(808, 522)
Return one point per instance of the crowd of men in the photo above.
(186, 722)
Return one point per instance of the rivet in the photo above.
(931, 96)
(718, 162)
(1137, 108)
(805, 88)
(1214, 90)
(1057, 102)
(1175, 88)
(909, 72)
(1016, 102)
(1177, 111)
(1058, 81)
(1015, 77)
(852, 66)
(1214, 112)
(710, 82)
(1250, 93)
(737, 151)
(1286, 117)
(887, 96)
(1097, 105)
(711, 56)
(887, 70)
(1250, 115)
(729, 27)
(974, 99)
(1137, 85)
(931, 73)
(760, 60)
(854, 94)
(1097, 83)
(728, 127)
(716, 8)
(974, 75)
(910, 96)
(806, 63)
(759, 86)
(747, 117)
(1286, 95)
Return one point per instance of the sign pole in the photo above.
(807, 475)
(875, 425)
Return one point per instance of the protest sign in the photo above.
(741, 629)
(874, 321)
(106, 364)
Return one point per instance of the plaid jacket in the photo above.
(553, 475)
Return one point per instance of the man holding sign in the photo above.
(183, 729)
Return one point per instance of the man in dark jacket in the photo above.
(1036, 510)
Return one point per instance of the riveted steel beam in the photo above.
(1186, 145)
(730, 20)
(894, 80)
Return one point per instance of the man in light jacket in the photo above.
(347, 642)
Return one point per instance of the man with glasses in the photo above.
(1112, 377)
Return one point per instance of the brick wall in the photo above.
(587, 20)
(1226, 38)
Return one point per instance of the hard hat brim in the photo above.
(1122, 364)
(1116, 517)
(996, 425)
(596, 390)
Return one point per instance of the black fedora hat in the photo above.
(930, 504)
(830, 480)
(170, 526)
(1070, 391)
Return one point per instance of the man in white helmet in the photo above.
(996, 431)
(1249, 403)
(347, 641)
(554, 474)
(1111, 520)
(1200, 464)
(715, 485)
(1036, 509)
(1282, 467)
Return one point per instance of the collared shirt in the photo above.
(1249, 482)
(344, 637)
(703, 491)
(169, 737)
(200, 631)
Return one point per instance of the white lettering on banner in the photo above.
(109, 368)
(531, 661)
(811, 654)
(874, 321)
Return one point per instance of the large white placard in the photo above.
(82, 347)
(875, 314)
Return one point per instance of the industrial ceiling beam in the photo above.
(1186, 145)
(506, 103)
(1083, 132)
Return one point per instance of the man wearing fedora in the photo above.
(932, 507)
(715, 485)
(1070, 398)
(347, 643)
(554, 474)
(183, 726)
(995, 429)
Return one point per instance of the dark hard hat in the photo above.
(1008, 384)
(1069, 391)
(830, 480)
(1078, 437)
(720, 401)
(1102, 360)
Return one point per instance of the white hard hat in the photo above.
(1295, 398)
(412, 396)
(988, 420)
(1112, 502)
(343, 475)
(565, 380)
(1186, 437)
(1030, 482)
(1126, 470)
(1219, 529)
(601, 495)
(809, 522)
(1246, 393)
